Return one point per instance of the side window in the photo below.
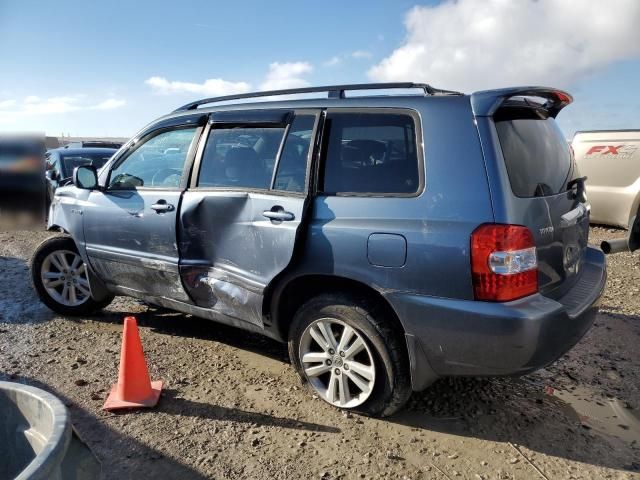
(156, 163)
(292, 167)
(241, 157)
(50, 161)
(58, 169)
(371, 153)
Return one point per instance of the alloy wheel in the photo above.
(64, 277)
(337, 362)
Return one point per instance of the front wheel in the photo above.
(61, 280)
(350, 356)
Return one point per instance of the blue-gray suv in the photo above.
(389, 238)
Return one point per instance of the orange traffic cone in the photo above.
(134, 389)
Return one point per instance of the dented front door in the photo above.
(130, 224)
(243, 211)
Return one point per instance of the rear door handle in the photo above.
(279, 214)
(162, 206)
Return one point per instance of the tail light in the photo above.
(504, 264)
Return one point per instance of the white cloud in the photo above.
(279, 76)
(35, 106)
(333, 61)
(110, 104)
(211, 87)
(361, 54)
(286, 75)
(356, 54)
(475, 44)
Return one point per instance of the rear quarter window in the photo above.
(371, 153)
(536, 154)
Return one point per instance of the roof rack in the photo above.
(334, 91)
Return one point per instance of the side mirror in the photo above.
(85, 177)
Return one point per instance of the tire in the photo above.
(384, 354)
(49, 254)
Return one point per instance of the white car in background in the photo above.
(610, 159)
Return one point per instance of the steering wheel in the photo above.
(165, 176)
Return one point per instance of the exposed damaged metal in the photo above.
(214, 288)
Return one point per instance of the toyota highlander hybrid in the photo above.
(389, 239)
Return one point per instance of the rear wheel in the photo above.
(348, 354)
(60, 278)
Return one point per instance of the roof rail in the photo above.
(334, 91)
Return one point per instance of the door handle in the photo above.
(278, 213)
(162, 206)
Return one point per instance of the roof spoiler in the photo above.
(486, 102)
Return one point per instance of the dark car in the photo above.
(94, 144)
(60, 163)
(389, 239)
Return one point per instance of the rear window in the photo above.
(371, 153)
(72, 161)
(536, 155)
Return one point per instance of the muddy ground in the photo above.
(233, 408)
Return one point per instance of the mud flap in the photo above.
(422, 375)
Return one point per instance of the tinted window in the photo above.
(58, 169)
(240, 157)
(371, 153)
(292, 168)
(70, 162)
(536, 155)
(156, 163)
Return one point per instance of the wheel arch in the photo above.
(635, 209)
(99, 290)
(292, 292)
(57, 228)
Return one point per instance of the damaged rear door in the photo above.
(241, 215)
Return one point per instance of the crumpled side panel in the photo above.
(220, 291)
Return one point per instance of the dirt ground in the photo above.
(233, 407)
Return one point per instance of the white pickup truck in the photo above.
(610, 159)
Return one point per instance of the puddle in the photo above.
(608, 416)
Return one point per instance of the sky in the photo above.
(107, 68)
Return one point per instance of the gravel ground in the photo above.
(233, 407)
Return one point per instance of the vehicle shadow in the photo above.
(120, 455)
(167, 322)
(618, 312)
(173, 404)
(505, 410)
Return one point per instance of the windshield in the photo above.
(69, 162)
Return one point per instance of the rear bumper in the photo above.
(462, 337)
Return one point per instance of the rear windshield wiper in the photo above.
(542, 190)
